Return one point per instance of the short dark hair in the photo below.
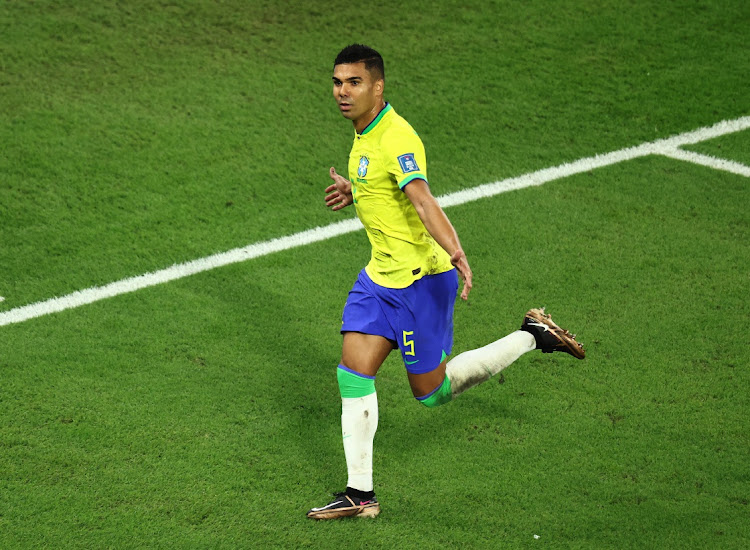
(359, 53)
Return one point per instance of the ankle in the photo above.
(362, 495)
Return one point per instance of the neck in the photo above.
(364, 121)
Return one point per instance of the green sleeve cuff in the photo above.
(410, 178)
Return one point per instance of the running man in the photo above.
(403, 299)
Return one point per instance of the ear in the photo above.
(379, 86)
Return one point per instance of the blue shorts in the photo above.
(418, 318)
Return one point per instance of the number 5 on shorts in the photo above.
(408, 344)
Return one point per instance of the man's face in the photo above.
(355, 91)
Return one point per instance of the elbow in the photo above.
(421, 212)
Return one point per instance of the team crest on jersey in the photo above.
(408, 163)
(363, 163)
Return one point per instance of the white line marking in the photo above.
(178, 271)
(90, 295)
(711, 162)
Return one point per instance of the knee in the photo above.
(431, 403)
(439, 396)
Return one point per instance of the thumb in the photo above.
(333, 173)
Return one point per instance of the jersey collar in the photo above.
(377, 119)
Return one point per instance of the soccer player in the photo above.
(405, 295)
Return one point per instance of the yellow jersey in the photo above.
(386, 157)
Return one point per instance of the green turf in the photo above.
(204, 413)
(731, 147)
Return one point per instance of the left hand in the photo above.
(460, 262)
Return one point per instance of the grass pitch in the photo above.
(205, 412)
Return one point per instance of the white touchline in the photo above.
(667, 147)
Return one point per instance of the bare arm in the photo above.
(440, 227)
(339, 192)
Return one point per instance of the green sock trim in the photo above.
(440, 396)
(353, 384)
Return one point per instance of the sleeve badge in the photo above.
(408, 163)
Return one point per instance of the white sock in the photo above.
(478, 365)
(359, 421)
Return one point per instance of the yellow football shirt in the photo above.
(386, 157)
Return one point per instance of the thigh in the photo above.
(425, 323)
(366, 311)
(364, 353)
